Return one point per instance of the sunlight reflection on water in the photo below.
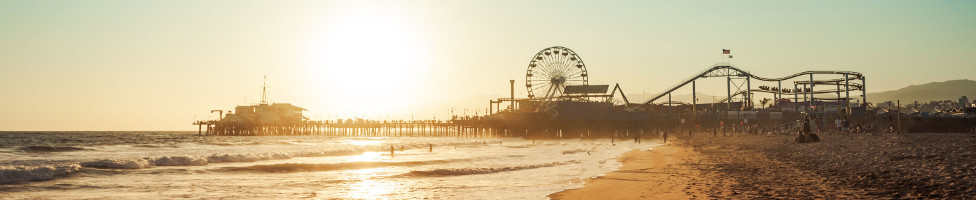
(366, 157)
(369, 187)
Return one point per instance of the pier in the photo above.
(349, 128)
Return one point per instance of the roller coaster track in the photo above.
(722, 100)
(728, 70)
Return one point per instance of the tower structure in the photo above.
(264, 91)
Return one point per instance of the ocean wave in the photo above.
(246, 157)
(308, 167)
(483, 170)
(179, 161)
(14, 174)
(521, 146)
(118, 164)
(573, 151)
(191, 160)
(155, 145)
(34, 149)
(47, 171)
(329, 153)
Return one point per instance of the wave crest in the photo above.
(307, 167)
(13, 174)
(49, 148)
(485, 170)
(118, 164)
(178, 161)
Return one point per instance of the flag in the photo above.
(726, 51)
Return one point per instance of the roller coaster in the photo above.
(561, 101)
(739, 83)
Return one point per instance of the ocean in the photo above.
(153, 165)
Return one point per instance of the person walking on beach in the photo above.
(847, 125)
(839, 124)
(806, 125)
(665, 136)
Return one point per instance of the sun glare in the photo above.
(368, 59)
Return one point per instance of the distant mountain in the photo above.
(935, 91)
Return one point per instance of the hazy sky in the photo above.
(157, 65)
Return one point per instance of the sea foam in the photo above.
(36, 149)
(178, 161)
(13, 174)
(118, 164)
(481, 170)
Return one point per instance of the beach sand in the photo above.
(768, 166)
(662, 173)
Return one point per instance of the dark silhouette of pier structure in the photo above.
(561, 103)
(349, 128)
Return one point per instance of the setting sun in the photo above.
(369, 58)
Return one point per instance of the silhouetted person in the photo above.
(847, 125)
(807, 136)
(806, 125)
(665, 136)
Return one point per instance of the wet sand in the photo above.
(769, 166)
(666, 172)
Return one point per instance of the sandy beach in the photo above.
(662, 173)
(932, 165)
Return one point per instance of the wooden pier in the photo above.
(360, 128)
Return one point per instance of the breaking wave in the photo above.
(14, 174)
(573, 151)
(35, 149)
(48, 171)
(179, 161)
(307, 167)
(117, 164)
(189, 160)
(485, 170)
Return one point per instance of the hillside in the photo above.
(948, 90)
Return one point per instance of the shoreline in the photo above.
(659, 173)
(841, 166)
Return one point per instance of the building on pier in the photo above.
(259, 119)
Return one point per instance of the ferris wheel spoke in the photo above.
(545, 91)
(548, 71)
(539, 87)
(561, 72)
(543, 67)
(551, 66)
(577, 75)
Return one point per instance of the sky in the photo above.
(160, 65)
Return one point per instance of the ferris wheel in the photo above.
(551, 70)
